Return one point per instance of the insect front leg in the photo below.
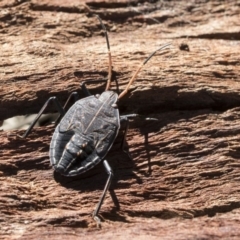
(125, 125)
(109, 180)
(84, 87)
(58, 106)
(124, 121)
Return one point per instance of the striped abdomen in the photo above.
(71, 151)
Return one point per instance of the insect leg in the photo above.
(84, 87)
(124, 120)
(131, 115)
(58, 106)
(109, 180)
(134, 115)
(75, 97)
(125, 124)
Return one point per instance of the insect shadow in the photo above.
(171, 108)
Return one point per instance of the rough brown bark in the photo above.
(183, 179)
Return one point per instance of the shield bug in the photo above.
(88, 129)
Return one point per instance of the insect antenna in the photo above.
(109, 54)
(138, 70)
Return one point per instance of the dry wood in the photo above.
(183, 179)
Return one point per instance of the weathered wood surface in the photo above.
(183, 181)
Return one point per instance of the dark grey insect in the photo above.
(87, 131)
(85, 134)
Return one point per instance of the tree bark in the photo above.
(182, 180)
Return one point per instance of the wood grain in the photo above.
(182, 181)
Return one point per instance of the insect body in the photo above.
(87, 131)
(85, 134)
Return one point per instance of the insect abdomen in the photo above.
(58, 143)
(71, 152)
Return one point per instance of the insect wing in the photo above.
(103, 124)
(74, 118)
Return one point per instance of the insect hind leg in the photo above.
(106, 188)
